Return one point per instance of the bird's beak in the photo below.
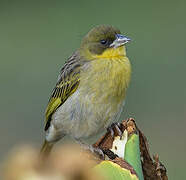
(120, 41)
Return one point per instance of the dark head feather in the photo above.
(99, 38)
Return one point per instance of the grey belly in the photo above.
(81, 119)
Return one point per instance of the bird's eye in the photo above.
(103, 41)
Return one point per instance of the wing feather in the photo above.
(67, 84)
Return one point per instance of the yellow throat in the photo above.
(109, 75)
(109, 54)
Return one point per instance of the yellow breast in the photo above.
(107, 76)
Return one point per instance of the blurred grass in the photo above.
(38, 36)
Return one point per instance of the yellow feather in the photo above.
(107, 79)
(112, 53)
(108, 54)
(52, 106)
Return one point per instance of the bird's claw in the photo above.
(98, 151)
(95, 150)
(115, 127)
(110, 129)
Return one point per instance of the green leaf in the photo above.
(132, 154)
(112, 171)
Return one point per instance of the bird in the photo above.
(91, 88)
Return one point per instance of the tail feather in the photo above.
(46, 149)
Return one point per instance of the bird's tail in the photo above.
(46, 149)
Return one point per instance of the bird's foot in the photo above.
(115, 128)
(97, 151)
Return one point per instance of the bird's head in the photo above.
(104, 42)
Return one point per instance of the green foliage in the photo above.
(112, 171)
(132, 155)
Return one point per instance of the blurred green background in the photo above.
(36, 37)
